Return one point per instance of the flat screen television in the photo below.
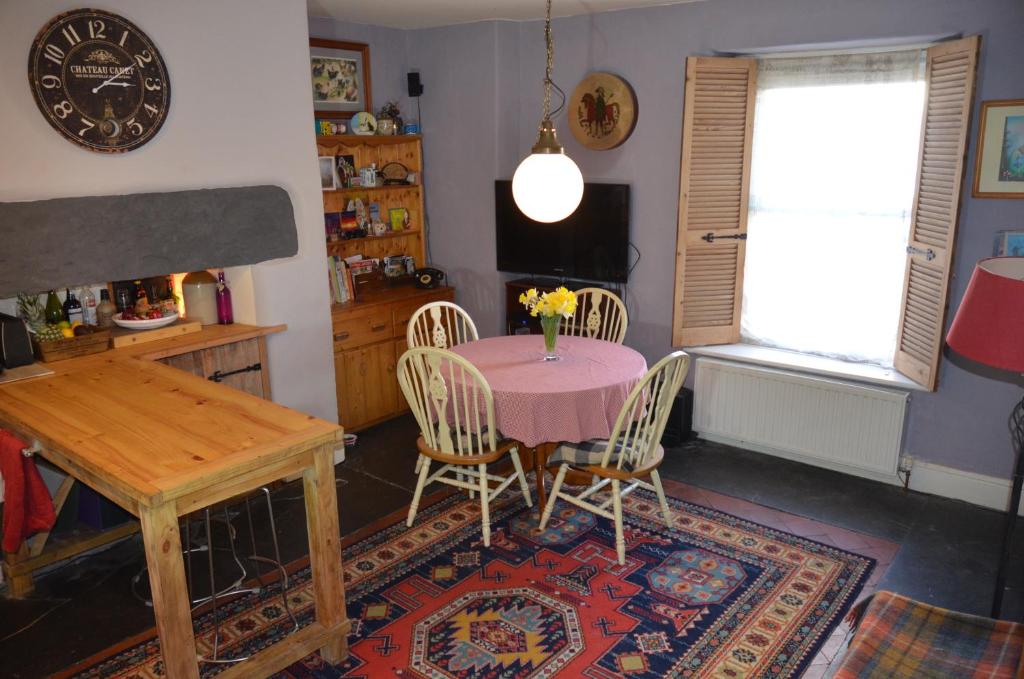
(592, 243)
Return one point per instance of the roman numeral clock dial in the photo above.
(99, 80)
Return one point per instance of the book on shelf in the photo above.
(340, 278)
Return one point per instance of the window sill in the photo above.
(807, 363)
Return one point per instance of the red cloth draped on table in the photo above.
(28, 507)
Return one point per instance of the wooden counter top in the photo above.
(149, 433)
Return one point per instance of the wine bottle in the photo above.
(73, 309)
(225, 314)
(54, 313)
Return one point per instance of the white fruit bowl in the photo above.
(145, 324)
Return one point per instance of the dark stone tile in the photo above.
(821, 494)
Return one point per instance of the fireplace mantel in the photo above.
(65, 242)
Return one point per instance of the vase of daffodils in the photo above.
(550, 308)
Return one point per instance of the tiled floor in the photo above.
(932, 549)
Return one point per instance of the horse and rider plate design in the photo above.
(602, 111)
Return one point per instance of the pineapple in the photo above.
(32, 310)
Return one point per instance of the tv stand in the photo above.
(518, 320)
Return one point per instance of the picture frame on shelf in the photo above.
(346, 169)
(328, 173)
(332, 225)
(328, 128)
(999, 155)
(339, 77)
(399, 218)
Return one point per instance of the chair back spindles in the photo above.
(441, 325)
(450, 399)
(599, 315)
(645, 413)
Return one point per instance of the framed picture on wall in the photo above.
(340, 77)
(999, 165)
(1009, 244)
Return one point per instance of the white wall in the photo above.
(241, 113)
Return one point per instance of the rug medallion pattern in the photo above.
(712, 596)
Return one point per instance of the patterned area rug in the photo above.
(714, 596)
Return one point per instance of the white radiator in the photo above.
(849, 427)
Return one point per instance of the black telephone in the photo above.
(428, 278)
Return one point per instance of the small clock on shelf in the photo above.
(99, 80)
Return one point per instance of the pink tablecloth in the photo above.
(574, 399)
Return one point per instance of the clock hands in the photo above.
(111, 79)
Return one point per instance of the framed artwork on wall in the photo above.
(340, 77)
(1009, 244)
(999, 162)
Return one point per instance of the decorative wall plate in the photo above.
(602, 111)
(363, 124)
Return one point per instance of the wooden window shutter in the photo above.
(948, 101)
(714, 182)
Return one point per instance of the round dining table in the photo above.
(542, 403)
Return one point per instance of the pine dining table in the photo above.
(543, 403)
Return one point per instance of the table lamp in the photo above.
(989, 328)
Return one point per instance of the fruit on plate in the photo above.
(151, 313)
(67, 332)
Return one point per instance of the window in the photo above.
(833, 170)
(860, 215)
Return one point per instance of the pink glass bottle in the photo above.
(225, 314)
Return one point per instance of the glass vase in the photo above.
(549, 324)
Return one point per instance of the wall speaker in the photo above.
(415, 86)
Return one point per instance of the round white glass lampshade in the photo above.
(547, 187)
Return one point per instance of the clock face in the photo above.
(99, 80)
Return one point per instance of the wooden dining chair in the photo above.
(631, 452)
(599, 315)
(441, 325)
(454, 408)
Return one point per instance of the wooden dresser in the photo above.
(369, 332)
(369, 336)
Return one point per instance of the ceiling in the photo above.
(429, 13)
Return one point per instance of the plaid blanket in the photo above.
(900, 637)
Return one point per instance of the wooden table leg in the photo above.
(325, 550)
(540, 458)
(171, 604)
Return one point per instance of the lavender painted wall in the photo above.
(482, 103)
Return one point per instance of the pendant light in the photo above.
(547, 185)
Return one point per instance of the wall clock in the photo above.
(602, 111)
(99, 80)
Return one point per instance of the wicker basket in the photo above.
(72, 347)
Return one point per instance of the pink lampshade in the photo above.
(989, 325)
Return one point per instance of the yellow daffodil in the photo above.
(560, 302)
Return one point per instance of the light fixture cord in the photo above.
(550, 61)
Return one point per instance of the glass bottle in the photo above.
(88, 301)
(141, 299)
(54, 311)
(72, 309)
(225, 315)
(105, 310)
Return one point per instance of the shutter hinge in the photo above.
(929, 254)
(711, 237)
